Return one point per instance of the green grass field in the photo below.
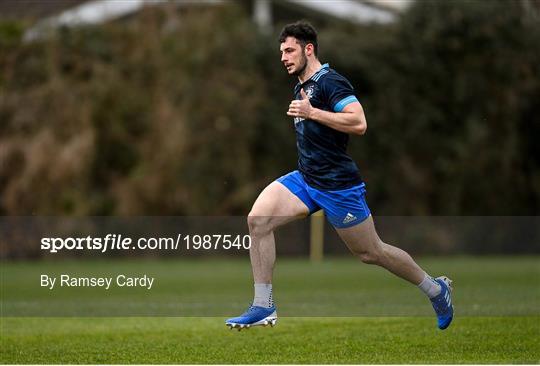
(355, 314)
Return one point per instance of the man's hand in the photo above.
(350, 120)
(300, 108)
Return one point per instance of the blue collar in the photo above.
(324, 66)
(323, 70)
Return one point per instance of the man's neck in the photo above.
(311, 68)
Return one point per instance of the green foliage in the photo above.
(184, 112)
(161, 112)
(451, 95)
(11, 33)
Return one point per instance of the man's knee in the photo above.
(368, 257)
(373, 255)
(259, 225)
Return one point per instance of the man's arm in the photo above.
(350, 120)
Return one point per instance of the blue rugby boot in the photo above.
(442, 303)
(254, 315)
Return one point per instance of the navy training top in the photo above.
(322, 151)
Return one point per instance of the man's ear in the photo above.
(309, 49)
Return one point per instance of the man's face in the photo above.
(293, 56)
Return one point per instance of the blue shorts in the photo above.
(343, 208)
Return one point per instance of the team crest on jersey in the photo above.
(310, 91)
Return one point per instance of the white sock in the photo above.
(263, 295)
(429, 286)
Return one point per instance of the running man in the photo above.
(325, 111)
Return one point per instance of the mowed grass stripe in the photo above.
(486, 286)
(293, 340)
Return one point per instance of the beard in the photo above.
(302, 68)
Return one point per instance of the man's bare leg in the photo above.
(275, 206)
(363, 241)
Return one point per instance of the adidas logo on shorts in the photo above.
(349, 218)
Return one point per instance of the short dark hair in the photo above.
(303, 32)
